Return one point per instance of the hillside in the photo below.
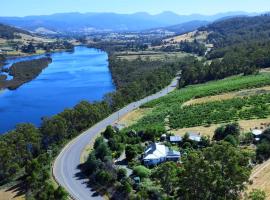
(18, 42)
(8, 32)
(239, 30)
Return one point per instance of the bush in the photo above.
(131, 152)
(142, 171)
(121, 173)
(257, 194)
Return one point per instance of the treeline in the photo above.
(138, 78)
(27, 145)
(48, 47)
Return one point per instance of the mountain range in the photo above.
(93, 22)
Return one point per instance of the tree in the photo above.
(103, 152)
(218, 172)
(131, 152)
(104, 178)
(232, 140)
(121, 174)
(141, 171)
(263, 150)
(229, 129)
(109, 132)
(166, 173)
(265, 135)
(60, 194)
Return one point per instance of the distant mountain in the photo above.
(89, 22)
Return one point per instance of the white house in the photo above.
(157, 153)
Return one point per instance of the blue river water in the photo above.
(69, 79)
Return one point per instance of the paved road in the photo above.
(65, 165)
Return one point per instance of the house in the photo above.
(256, 134)
(194, 136)
(175, 139)
(157, 153)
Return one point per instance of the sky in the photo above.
(207, 7)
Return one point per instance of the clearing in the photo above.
(246, 126)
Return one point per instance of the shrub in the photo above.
(141, 171)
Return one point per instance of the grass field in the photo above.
(245, 125)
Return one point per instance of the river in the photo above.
(69, 79)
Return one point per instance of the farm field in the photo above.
(230, 95)
(225, 111)
(167, 105)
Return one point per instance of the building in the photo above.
(256, 134)
(157, 153)
(175, 139)
(194, 136)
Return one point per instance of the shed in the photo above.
(175, 139)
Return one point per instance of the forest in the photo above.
(241, 45)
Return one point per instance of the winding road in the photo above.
(65, 165)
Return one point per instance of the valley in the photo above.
(135, 106)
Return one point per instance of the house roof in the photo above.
(194, 136)
(175, 138)
(257, 132)
(155, 151)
